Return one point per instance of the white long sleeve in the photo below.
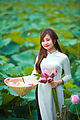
(66, 67)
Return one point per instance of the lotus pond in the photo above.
(21, 22)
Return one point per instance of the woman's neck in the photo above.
(52, 50)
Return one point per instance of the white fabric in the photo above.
(45, 98)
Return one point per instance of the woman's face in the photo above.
(47, 43)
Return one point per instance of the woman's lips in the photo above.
(46, 45)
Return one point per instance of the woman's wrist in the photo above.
(60, 82)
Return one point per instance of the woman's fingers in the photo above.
(54, 84)
(6, 80)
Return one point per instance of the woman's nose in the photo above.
(45, 42)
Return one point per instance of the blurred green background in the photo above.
(21, 22)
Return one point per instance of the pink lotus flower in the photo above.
(53, 73)
(43, 80)
(74, 99)
(45, 73)
(49, 79)
(47, 76)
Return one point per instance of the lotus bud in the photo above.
(74, 99)
(43, 80)
(49, 79)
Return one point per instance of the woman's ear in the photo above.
(54, 41)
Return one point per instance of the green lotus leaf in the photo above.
(0, 99)
(23, 13)
(28, 70)
(61, 27)
(4, 42)
(67, 102)
(17, 26)
(76, 91)
(27, 44)
(28, 5)
(12, 25)
(7, 98)
(73, 108)
(10, 7)
(2, 8)
(76, 76)
(69, 42)
(2, 62)
(76, 33)
(60, 37)
(2, 87)
(78, 62)
(3, 76)
(11, 48)
(9, 27)
(30, 33)
(15, 37)
(3, 58)
(69, 85)
(56, 20)
(25, 58)
(67, 34)
(13, 118)
(67, 93)
(35, 40)
(72, 49)
(6, 66)
(15, 71)
(33, 25)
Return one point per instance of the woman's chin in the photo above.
(46, 48)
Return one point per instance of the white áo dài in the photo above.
(53, 60)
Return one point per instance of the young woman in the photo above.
(50, 56)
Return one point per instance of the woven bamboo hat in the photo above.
(22, 88)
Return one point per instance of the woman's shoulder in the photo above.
(63, 55)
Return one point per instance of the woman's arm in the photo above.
(66, 68)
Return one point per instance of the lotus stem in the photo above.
(77, 112)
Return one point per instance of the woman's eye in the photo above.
(47, 39)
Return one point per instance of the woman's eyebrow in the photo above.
(47, 38)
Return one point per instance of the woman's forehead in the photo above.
(47, 36)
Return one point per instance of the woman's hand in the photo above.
(53, 84)
(13, 80)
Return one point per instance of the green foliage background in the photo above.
(21, 22)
